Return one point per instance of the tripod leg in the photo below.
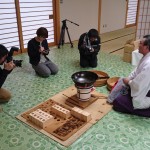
(62, 34)
(69, 37)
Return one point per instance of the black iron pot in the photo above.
(84, 78)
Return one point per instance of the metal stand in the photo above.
(62, 34)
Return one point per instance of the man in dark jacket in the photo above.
(8, 67)
(89, 46)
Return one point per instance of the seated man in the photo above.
(89, 46)
(38, 51)
(134, 96)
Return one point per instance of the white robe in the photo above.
(140, 83)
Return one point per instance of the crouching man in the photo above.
(7, 68)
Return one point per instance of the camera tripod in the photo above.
(62, 34)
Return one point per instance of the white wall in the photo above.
(85, 13)
(82, 12)
(113, 15)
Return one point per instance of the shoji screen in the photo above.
(8, 24)
(131, 12)
(143, 26)
(35, 14)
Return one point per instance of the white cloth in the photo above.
(140, 83)
(115, 91)
(42, 58)
(136, 57)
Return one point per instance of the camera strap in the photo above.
(86, 40)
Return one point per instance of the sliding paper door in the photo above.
(35, 14)
(132, 7)
(8, 24)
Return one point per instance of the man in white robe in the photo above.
(137, 100)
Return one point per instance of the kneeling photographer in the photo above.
(89, 46)
(8, 66)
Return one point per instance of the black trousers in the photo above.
(123, 103)
(88, 61)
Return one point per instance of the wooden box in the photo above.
(129, 47)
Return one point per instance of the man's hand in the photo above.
(126, 81)
(9, 66)
(91, 49)
(41, 49)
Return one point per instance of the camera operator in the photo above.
(38, 51)
(89, 46)
(8, 67)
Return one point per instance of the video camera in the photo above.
(9, 58)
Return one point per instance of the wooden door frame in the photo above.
(56, 13)
(19, 24)
(99, 14)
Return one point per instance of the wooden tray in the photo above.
(111, 82)
(58, 122)
(100, 82)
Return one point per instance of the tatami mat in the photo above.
(115, 131)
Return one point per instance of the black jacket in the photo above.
(33, 51)
(84, 50)
(3, 75)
